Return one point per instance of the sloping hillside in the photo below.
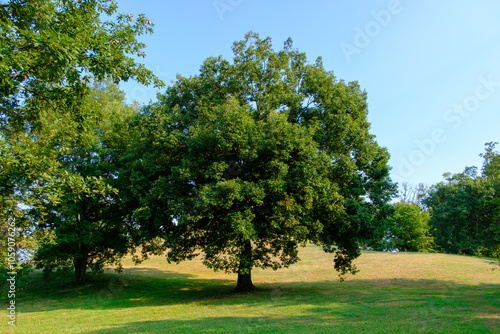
(392, 293)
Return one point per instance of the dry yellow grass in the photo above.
(317, 266)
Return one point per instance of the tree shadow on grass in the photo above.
(330, 304)
(139, 287)
(393, 306)
(328, 322)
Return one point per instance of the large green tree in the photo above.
(252, 158)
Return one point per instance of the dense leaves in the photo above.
(51, 49)
(87, 217)
(409, 229)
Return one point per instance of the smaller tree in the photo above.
(410, 230)
(50, 52)
(83, 209)
(491, 172)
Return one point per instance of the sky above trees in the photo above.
(430, 69)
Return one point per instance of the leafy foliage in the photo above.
(410, 230)
(86, 217)
(51, 51)
(465, 209)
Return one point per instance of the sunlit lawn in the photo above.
(392, 293)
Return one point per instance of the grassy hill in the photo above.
(392, 293)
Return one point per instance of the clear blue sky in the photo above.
(431, 68)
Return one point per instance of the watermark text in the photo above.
(11, 258)
(454, 118)
(364, 36)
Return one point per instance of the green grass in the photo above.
(393, 293)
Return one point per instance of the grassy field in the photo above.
(392, 293)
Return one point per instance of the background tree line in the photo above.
(465, 209)
(459, 215)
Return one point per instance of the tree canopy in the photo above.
(251, 158)
(50, 50)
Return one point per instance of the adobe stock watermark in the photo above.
(224, 6)
(454, 118)
(364, 36)
(12, 262)
(140, 92)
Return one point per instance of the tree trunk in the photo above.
(81, 269)
(245, 283)
(245, 270)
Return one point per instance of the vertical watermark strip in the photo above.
(12, 263)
